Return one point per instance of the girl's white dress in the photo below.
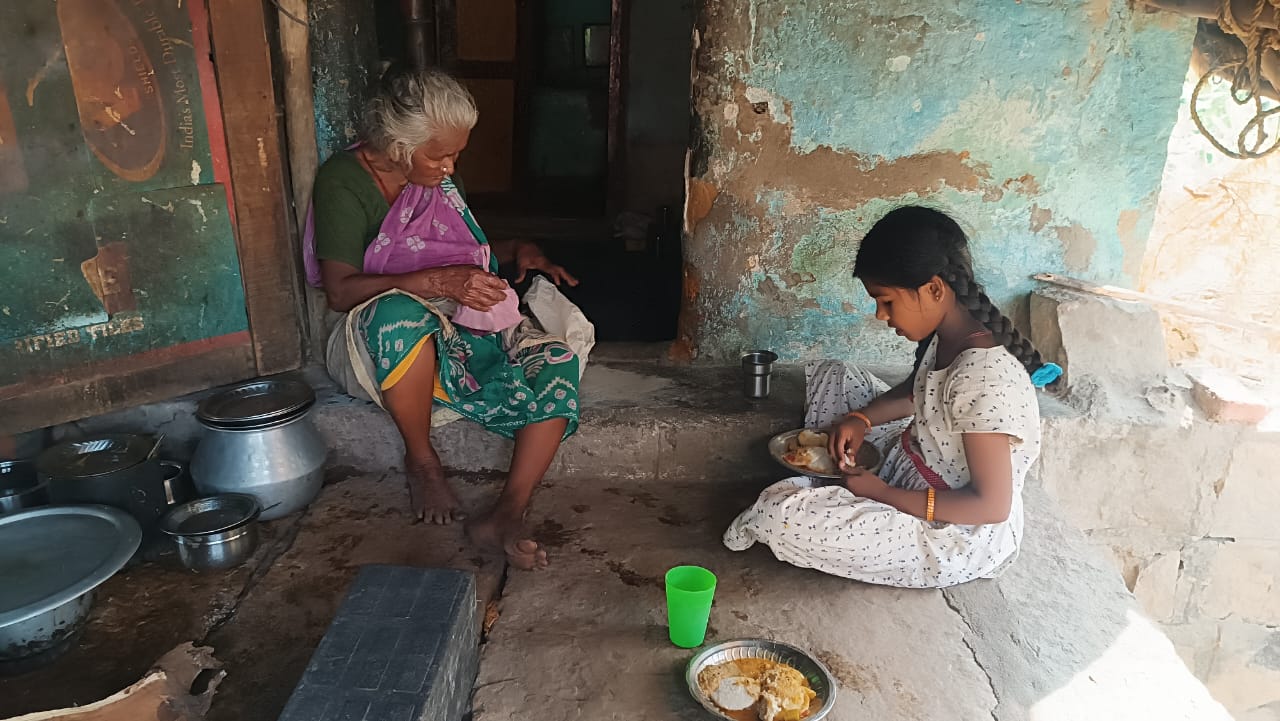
(832, 530)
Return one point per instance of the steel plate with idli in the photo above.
(804, 451)
(754, 679)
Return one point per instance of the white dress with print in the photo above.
(828, 528)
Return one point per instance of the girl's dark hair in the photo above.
(910, 245)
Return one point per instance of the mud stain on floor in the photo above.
(644, 498)
(672, 516)
(631, 578)
(553, 534)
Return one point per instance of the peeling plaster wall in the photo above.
(1042, 126)
(344, 60)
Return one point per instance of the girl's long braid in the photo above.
(970, 294)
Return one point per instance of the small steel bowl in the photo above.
(214, 533)
(820, 679)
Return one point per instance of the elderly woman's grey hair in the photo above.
(410, 107)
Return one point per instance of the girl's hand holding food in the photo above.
(846, 439)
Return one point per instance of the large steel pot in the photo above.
(20, 487)
(281, 464)
(119, 470)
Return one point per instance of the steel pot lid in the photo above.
(260, 425)
(255, 403)
(52, 555)
(96, 456)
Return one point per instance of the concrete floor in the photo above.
(665, 457)
(596, 623)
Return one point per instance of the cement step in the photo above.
(641, 418)
(404, 646)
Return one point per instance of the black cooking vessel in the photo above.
(20, 487)
(118, 470)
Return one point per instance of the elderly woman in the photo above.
(428, 320)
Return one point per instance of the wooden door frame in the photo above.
(445, 24)
(253, 118)
(521, 74)
(619, 43)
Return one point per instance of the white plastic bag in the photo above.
(559, 317)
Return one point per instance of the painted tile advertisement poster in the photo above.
(116, 240)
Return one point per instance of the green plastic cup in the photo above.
(689, 593)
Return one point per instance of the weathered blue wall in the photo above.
(1040, 125)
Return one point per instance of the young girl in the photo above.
(957, 437)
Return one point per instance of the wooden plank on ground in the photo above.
(169, 691)
(268, 258)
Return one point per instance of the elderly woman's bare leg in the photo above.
(409, 402)
(503, 525)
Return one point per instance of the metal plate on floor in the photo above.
(820, 679)
(51, 555)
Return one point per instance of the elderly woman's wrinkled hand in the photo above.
(530, 257)
(469, 285)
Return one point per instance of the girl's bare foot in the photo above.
(509, 536)
(430, 496)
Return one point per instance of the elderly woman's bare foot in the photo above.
(509, 536)
(430, 496)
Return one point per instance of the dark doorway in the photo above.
(584, 125)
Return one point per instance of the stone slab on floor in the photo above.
(403, 647)
(1057, 637)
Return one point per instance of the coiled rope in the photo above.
(1246, 81)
